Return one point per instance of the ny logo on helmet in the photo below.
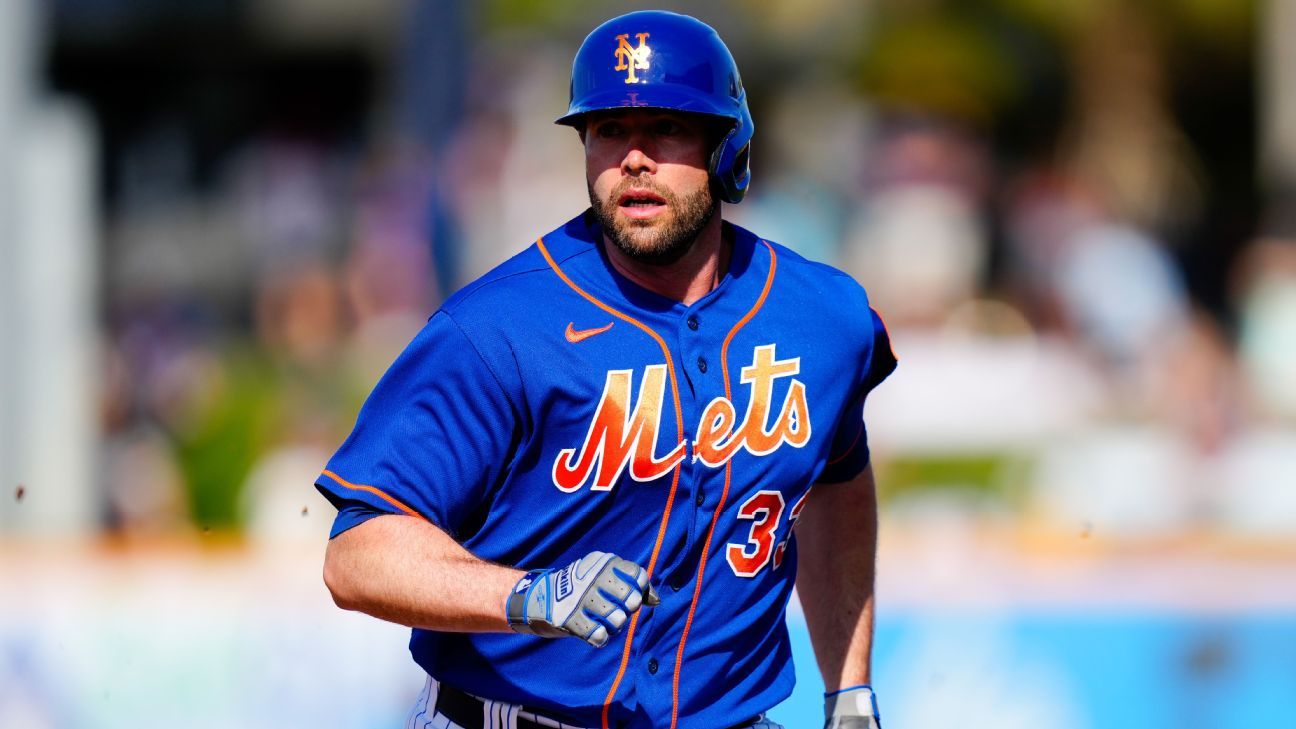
(630, 58)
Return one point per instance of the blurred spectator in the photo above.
(283, 190)
(145, 489)
(1255, 495)
(300, 323)
(1121, 290)
(1195, 385)
(151, 385)
(276, 507)
(815, 136)
(1265, 285)
(1018, 185)
(919, 241)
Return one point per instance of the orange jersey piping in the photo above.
(670, 498)
(724, 494)
(850, 447)
(374, 491)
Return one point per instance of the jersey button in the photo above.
(702, 365)
(652, 665)
(701, 497)
(693, 323)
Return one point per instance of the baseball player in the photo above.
(579, 482)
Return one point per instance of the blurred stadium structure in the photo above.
(221, 219)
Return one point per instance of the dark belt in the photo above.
(466, 711)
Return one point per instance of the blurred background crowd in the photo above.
(222, 219)
(1074, 216)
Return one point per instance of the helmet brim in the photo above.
(659, 96)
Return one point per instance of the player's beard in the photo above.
(651, 241)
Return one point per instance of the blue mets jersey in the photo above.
(553, 408)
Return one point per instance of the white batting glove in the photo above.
(590, 599)
(851, 708)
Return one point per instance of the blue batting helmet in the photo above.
(659, 60)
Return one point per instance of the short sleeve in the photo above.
(431, 440)
(850, 452)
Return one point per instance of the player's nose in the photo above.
(639, 155)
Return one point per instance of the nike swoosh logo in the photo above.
(573, 335)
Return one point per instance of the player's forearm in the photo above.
(837, 548)
(405, 570)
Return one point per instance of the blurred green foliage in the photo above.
(944, 62)
(257, 404)
(221, 443)
(993, 478)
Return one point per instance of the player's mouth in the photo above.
(641, 204)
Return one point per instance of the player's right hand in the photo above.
(591, 599)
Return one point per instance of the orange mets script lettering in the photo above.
(619, 438)
(616, 436)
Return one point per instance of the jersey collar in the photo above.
(590, 266)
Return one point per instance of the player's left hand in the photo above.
(851, 708)
(590, 599)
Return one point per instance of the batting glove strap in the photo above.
(852, 708)
(591, 599)
(515, 607)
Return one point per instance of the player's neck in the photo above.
(693, 276)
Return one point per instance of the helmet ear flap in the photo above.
(741, 169)
(714, 166)
(729, 180)
(731, 162)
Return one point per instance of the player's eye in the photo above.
(609, 130)
(668, 127)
